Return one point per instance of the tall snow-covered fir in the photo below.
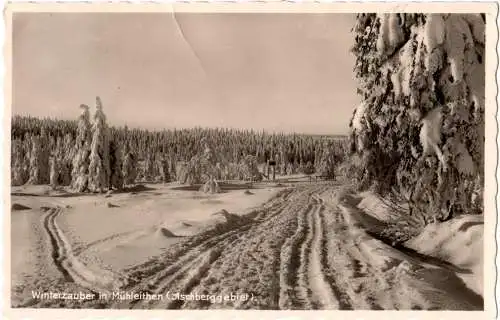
(419, 131)
(99, 166)
(79, 174)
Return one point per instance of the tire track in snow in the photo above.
(253, 259)
(303, 291)
(322, 294)
(279, 255)
(352, 278)
(301, 271)
(180, 278)
(194, 276)
(332, 279)
(290, 262)
(251, 264)
(157, 277)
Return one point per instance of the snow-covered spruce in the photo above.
(329, 160)
(129, 167)
(250, 169)
(44, 157)
(165, 171)
(39, 172)
(54, 172)
(209, 162)
(116, 163)
(99, 170)
(79, 173)
(419, 131)
(65, 152)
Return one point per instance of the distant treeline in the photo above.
(289, 150)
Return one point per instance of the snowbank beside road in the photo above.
(458, 241)
(444, 257)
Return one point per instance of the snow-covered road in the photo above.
(300, 250)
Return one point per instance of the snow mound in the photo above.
(459, 242)
(228, 217)
(166, 233)
(18, 207)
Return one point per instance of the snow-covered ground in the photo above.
(310, 246)
(103, 235)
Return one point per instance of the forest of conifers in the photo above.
(160, 152)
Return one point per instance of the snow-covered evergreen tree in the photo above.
(420, 128)
(80, 167)
(328, 161)
(129, 167)
(54, 171)
(250, 169)
(308, 168)
(99, 169)
(44, 156)
(165, 171)
(39, 167)
(208, 163)
(19, 175)
(65, 151)
(116, 163)
(172, 165)
(149, 164)
(34, 173)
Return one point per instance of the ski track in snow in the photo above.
(296, 251)
(71, 268)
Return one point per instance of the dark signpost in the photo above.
(272, 163)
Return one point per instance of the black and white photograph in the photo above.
(250, 160)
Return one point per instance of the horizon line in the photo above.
(173, 128)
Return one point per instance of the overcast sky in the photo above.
(279, 72)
